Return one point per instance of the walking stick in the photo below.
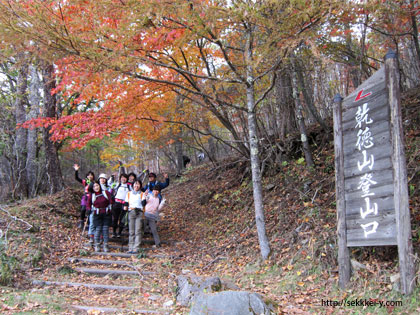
(84, 228)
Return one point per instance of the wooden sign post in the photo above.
(371, 176)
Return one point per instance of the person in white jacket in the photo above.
(152, 206)
(133, 203)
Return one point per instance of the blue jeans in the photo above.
(102, 223)
(91, 230)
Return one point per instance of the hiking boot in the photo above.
(106, 248)
(119, 235)
(91, 242)
(97, 248)
(114, 235)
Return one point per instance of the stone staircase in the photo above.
(113, 271)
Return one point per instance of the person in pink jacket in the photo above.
(152, 206)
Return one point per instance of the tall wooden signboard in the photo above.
(371, 178)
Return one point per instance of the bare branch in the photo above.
(30, 226)
(193, 129)
(273, 81)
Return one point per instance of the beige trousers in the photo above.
(135, 230)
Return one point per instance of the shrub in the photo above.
(8, 266)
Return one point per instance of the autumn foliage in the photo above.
(127, 61)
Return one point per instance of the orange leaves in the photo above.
(41, 122)
(109, 49)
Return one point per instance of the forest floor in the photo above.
(209, 224)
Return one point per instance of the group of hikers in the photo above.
(108, 203)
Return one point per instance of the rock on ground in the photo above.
(191, 285)
(229, 303)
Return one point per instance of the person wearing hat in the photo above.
(103, 181)
(152, 183)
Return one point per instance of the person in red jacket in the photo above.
(99, 202)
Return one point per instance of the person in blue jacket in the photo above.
(152, 182)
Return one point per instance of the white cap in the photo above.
(103, 175)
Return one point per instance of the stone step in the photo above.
(98, 261)
(113, 272)
(87, 285)
(120, 247)
(115, 310)
(143, 241)
(126, 255)
(122, 255)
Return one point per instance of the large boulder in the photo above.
(189, 286)
(229, 303)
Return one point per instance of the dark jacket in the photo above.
(150, 186)
(88, 187)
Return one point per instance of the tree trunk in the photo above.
(55, 179)
(308, 98)
(254, 154)
(353, 70)
(212, 152)
(158, 161)
(284, 100)
(178, 153)
(415, 29)
(21, 187)
(301, 123)
(34, 101)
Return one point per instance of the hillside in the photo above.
(209, 221)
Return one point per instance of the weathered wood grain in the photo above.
(405, 247)
(344, 270)
(381, 190)
(87, 285)
(114, 272)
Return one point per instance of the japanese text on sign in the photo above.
(365, 164)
